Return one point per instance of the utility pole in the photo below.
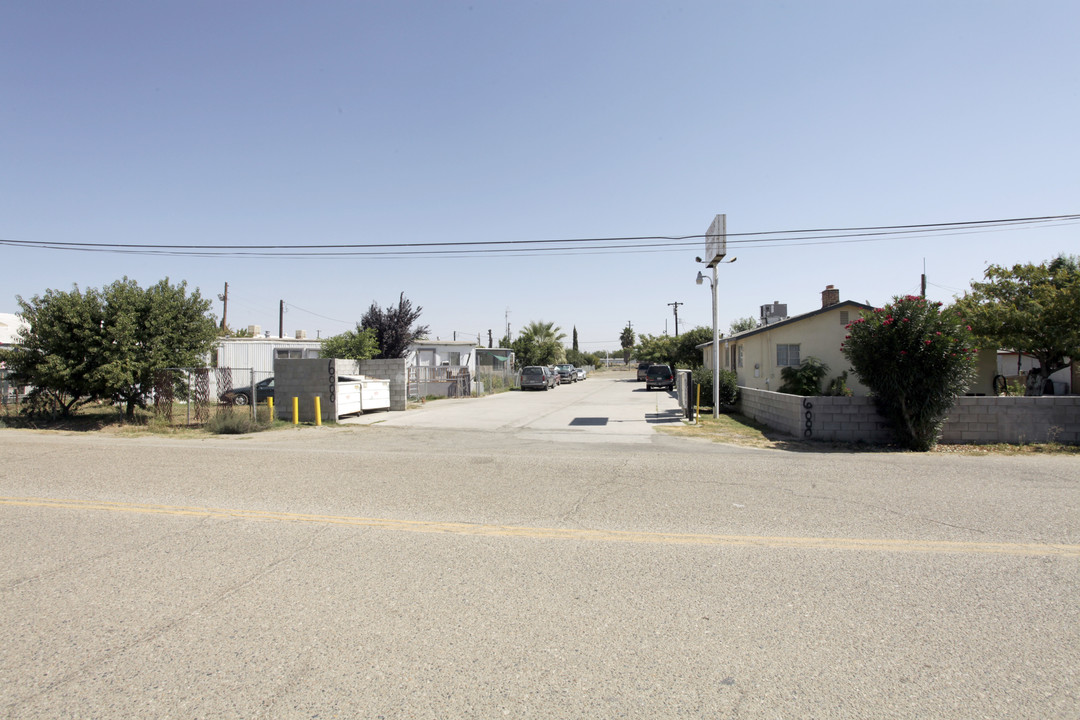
(923, 294)
(676, 306)
(508, 338)
(281, 320)
(489, 339)
(224, 298)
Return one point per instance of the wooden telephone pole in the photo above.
(224, 298)
(676, 306)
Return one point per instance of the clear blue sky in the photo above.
(235, 123)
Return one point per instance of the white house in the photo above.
(454, 354)
(10, 325)
(1010, 364)
(259, 353)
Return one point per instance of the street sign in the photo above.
(716, 241)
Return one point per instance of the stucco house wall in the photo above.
(753, 354)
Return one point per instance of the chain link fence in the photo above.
(11, 395)
(191, 396)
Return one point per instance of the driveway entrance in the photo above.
(607, 406)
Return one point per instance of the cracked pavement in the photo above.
(530, 570)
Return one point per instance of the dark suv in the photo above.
(659, 376)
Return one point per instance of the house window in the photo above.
(787, 355)
(454, 357)
(288, 353)
(844, 317)
(740, 349)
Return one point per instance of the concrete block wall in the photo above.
(1014, 420)
(305, 379)
(777, 410)
(972, 419)
(844, 419)
(394, 370)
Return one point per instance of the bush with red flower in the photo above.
(916, 360)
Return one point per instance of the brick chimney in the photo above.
(830, 296)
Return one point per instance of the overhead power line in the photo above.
(553, 247)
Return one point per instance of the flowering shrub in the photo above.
(916, 360)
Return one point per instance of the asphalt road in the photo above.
(523, 564)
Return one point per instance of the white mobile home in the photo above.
(259, 353)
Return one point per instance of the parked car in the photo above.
(581, 373)
(536, 377)
(642, 368)
(555, 375)
(566, 373)
(659, 376)
(264, 390)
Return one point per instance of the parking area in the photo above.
(612, 406)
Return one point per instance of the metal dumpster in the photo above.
(359, 393)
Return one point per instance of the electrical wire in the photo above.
(553, 247)
(324, 317)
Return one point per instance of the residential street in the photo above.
(544, 555)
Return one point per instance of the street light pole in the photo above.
(715, 352)
(715, 342)
(715, 250)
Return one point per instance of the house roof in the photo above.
(427, 342)
(276, 341)
(790, 321)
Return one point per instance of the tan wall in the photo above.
(819, 336)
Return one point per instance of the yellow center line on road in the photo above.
(455, 528)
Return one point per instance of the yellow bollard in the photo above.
(318, 412)
(296, 411)
(697, 416)
(270, 403)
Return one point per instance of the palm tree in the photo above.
(540, 332)
(540, 343)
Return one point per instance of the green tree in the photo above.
(394, 329)
(57, 351)
(916, 360)
(107, 344)
(144, 331)
(626, 341)
(540, 343)
(358, 344)
(687, 355)
(656, 349)
(739, 325)
(574, 345)
(804, 379)
(1032, 309)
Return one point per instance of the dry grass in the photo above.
(109, 419)
(734, 429)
